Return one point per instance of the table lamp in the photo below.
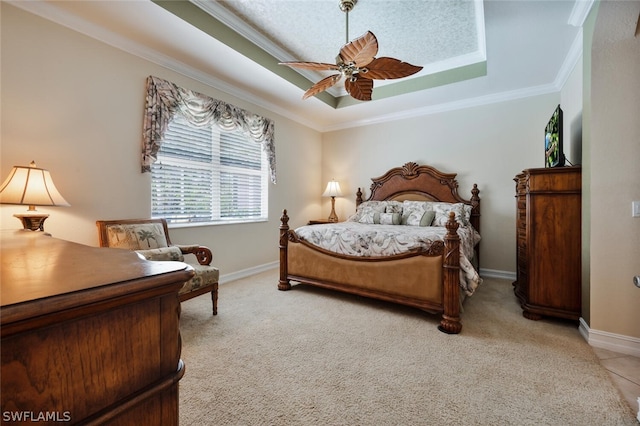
(31, 186)
(333, 191)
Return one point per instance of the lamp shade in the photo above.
(30, 186)
(333, 189)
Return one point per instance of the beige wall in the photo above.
(615, 177)
(487, 145)
(571, 104)
(74, 105)
(587, 38)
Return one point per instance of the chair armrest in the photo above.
(203, 254)
(163, 253)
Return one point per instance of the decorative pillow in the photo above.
(387, 218)
(427, 218)
(164, 253)
(366, 210)
(413, 218)
(368, 217)
(412, 212)
(462, 211)
(136, 236)
(394, 207)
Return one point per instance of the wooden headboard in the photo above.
(421, 183)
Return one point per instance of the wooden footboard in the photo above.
(430, 280)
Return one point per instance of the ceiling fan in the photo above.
(357, 63)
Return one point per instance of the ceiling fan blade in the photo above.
(388, 68)
(359, 88)
(317, 66)
(322, 85)
(360, 51)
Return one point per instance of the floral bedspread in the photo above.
(359, 239)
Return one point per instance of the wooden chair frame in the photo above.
(203, 254)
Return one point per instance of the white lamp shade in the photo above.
(30, 186)
(333, 189)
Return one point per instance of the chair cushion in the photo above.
(204, 276)
(163, 253)
(141, 236)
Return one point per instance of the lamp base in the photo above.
(33, 222)
(333, 217)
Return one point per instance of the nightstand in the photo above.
(319, 221)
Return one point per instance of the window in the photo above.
(208, 175)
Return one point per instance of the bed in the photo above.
(434, 274)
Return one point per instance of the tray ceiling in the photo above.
(474, 52)
(438, 35)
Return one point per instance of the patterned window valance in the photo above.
(165, 99)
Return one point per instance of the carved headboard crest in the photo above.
(410, 170)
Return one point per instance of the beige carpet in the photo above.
(314, 357)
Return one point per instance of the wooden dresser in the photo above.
(548, 233)
(89, 335)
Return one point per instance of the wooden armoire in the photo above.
(548, 233)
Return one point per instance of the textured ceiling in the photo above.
(438, 35)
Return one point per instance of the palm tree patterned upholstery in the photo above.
(150, 239)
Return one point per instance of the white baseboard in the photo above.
(248, 272)
(495, 273)
(613, 342)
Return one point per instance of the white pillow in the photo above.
(462, 211)
(366, 210)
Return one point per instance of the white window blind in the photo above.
(208, 175)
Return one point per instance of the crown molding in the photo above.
(580, 12)
(573, 58)
(452, 106)
(50, 12)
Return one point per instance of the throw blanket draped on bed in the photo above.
(358, 239)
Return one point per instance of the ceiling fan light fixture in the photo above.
(358, 64)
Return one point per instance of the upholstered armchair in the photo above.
(150, 238)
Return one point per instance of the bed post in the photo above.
(450, 322)
(284, 283)
(475, 219)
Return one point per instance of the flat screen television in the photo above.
(553, 152)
